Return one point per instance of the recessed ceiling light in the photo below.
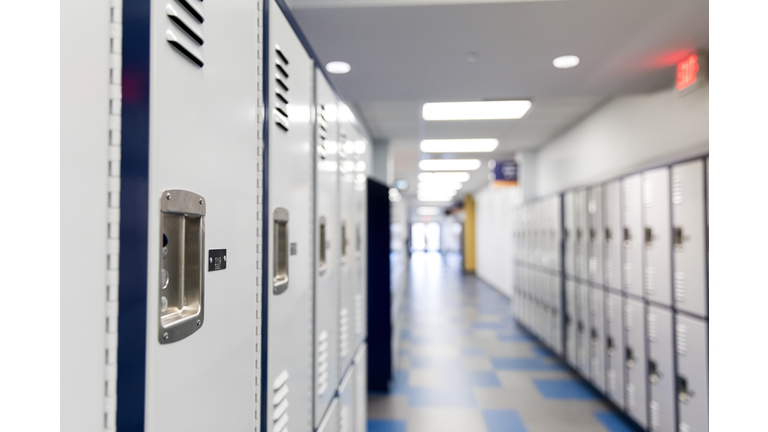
(428, 211)
(566, 61)
(434, 198)
(449, 164)
(487, 110)
(444, 176)
(459, 145)
(472, 57)
(338, 67)
(434, 185)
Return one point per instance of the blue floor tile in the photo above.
(502, 421)
(524, 363)
(438, 397)
(613, 422)
(482, 379)
(399, 385)
(542, 352)
(386, 426)
(563, 389)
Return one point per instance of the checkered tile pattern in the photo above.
(464, 365)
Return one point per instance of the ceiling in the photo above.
(404, 53)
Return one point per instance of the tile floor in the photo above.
(464, 365)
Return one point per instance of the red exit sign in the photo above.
(691, 71)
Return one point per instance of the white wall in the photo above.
(493, 236)
(628, 133)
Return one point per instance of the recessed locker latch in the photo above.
(280, 270)
(182, 260)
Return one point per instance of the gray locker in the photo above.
(661, 370)
(582, 235)
(326, 259)
(692, 373)
(290, 251)
(361, 389)
(611, 235)
(347, 274)
(556, 322)
(582, 329)
(555, 234)
(347, 401)
(635, 361)
(569, 228)
(570, 322)
(632, 236)
(330, 421)
(657, 237)
(595, 235)
(614, 348)
(689, 237)
(597, 338)
(360, 236)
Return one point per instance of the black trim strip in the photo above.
(195, 59)
(182, 25)
(192, 11)
(266, 76)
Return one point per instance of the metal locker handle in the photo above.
(344, 242)
(358, 242)
(678, 237)
(627, 237)
(322, 263)
(608, 236)
(609, 348)
(182, 262)
(592, 235)
(683, 394)
(630, 357)
(593, 334)
(648, 237)
(653, 372)
(280, 261)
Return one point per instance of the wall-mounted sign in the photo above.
(691, 72)
(503, 173)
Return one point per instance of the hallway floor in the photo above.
(465, 365)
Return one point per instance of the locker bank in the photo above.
(360, 215)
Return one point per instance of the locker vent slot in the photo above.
(610, 383)
(593, 369)
(608, 271)
(192, 10)
(593, 304)
(680, 287)
(648, 193)
(682, 339)
(650, 281)
(627, 275)
(280, 402)
(322, 363)
(186, 52)
(654, 409)
(281, 90)
(344, 420)
(628, 316)
(176, 19)
(677, 188)
(630, 396)
(322, 124)
(358, 314)
(653, 327)
(592, 266)
(344, 332)
(609, 310)
(592, 206)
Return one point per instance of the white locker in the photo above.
(360, 245)
(635, 361)
(661, 370)
(361, 389)
(692, 373)
(597, 338)
(290, 237)
(632, 236)
(582, 329)
(689, 238)
(611, 235)
(570, 323)
(595, 235)
(326, 259)
(581, 255)
(330, 421)
(569, 228)
(556, 234)
(201, 326)
(556, 322)
(347, 401)
(347, 260)
(614, 348)
(657, 237)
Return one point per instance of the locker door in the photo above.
(635, 361)
(596, 338)
(570, 322)
(557, 316)
(290, 250)
(330, 421)
(692, 373)
(582, 234)
(361, 389)
(595, 235)
(347, 401)
(661, 370)
(632, 236)
(326, 328)
(556, 252)
(657, 236)
(689, 238)
(570, 234)
(611, 235)
(582, 329)
(360, 244)
(614, 349)
(346, 241)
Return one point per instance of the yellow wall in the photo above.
(469, 234)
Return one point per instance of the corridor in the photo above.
(464, 365)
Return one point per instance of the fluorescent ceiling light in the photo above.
(444, 176)
(430, 198)
(359, 147)
(459, 145)
(428, 211)
(360, 166)
(338, 67)
(566, 61)
(432, 185)
(449, 164)
(487, 110)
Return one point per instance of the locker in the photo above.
(597, 338)
(595, 235)
(290, 248)
(347, 275)
(582, 329)
(570, 323)
(632, 236)
(614, 349)
(661, 370)
(326, 283)
(689, 237)
(330, 421)
(657, 242)
(692, 373)
(347, 401)
(360, 246)
(555, 234)
(635, 361)
(569, 227)
(611, 235)
(361, 389)
(557, 317)
(581, 255)
(196, 322)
